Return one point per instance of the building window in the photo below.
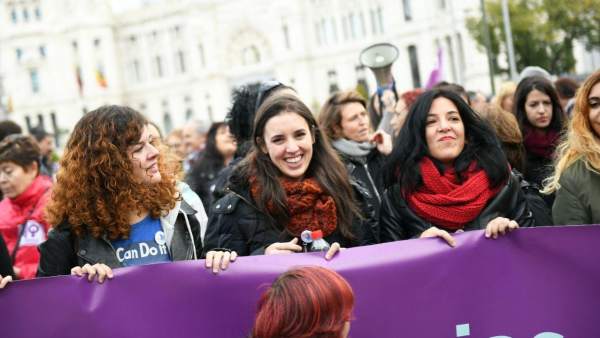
(373, 16)
(167, 122)
(25, 14)
(158, 67)
(332, 79)
(34, 80)
(345, 28)
(461, 57)
(42, 50)
(286, 36)
(380, 19)
(202, 57)
(38, 13)
(19, 54)
(442, 4)
(189, 111)
(75, 45)
(452, 58)
(250, 56)
(97, 43)
(318, 33)
(407, 10)
(136, 75)
(143, 108)
(414, 66)
(352, 26)
(180, 63)
(363, 28)
(13, 15)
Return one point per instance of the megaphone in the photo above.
(379, 59)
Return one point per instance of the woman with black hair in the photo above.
(540, 117)
(447, 173)
(219, 151)
(291, 181)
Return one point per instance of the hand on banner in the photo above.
(383, 141)
(4, 281)
(437, 232)
(102, 270)
(283, 248)
(219, 260)
(334, 249)
(499, 226)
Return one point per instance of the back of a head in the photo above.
(530, 71)
(305, 302)
(8, 127)
(566, 87)
(507, 129)
(39, 133)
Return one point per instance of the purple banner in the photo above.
(540, 282)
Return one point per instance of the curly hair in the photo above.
(580, 141)
(95, 187)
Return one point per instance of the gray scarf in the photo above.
(353, 148)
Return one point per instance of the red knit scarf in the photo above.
(541, 144)
(309, 206)
(445, 202)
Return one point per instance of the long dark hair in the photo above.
(324, 166)
(481, 145)
(210, 162)
(526, 86)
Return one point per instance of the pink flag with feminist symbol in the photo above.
(531, 283)
(437, 74)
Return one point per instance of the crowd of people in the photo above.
(255, 184)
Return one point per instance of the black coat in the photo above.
(367, 172)
(64, 250)
(398, 221)
(235, 223)
(6, 267)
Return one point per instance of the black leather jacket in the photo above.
(63, 250)
(236, 224)
(367, 172)
(398, 221)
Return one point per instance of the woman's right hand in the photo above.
(4, 281)
(103, 271)
(283, 248)
(437, 232)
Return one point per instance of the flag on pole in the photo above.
(79, 79)
(100, 77)
(437, 73)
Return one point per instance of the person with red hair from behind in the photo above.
(307, 302)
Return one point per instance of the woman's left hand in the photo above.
(499, 226)
(383, 141)
(4, 281)
(219, 260)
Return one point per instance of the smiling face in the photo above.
(144, 158)
(444, 131)
(355, 122)
(538, 107)
(594, 103)
(289, 143)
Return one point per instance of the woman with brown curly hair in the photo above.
(117, 202)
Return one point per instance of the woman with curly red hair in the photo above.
(305, 303)
(117, 202)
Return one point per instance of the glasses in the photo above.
(263, 91)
